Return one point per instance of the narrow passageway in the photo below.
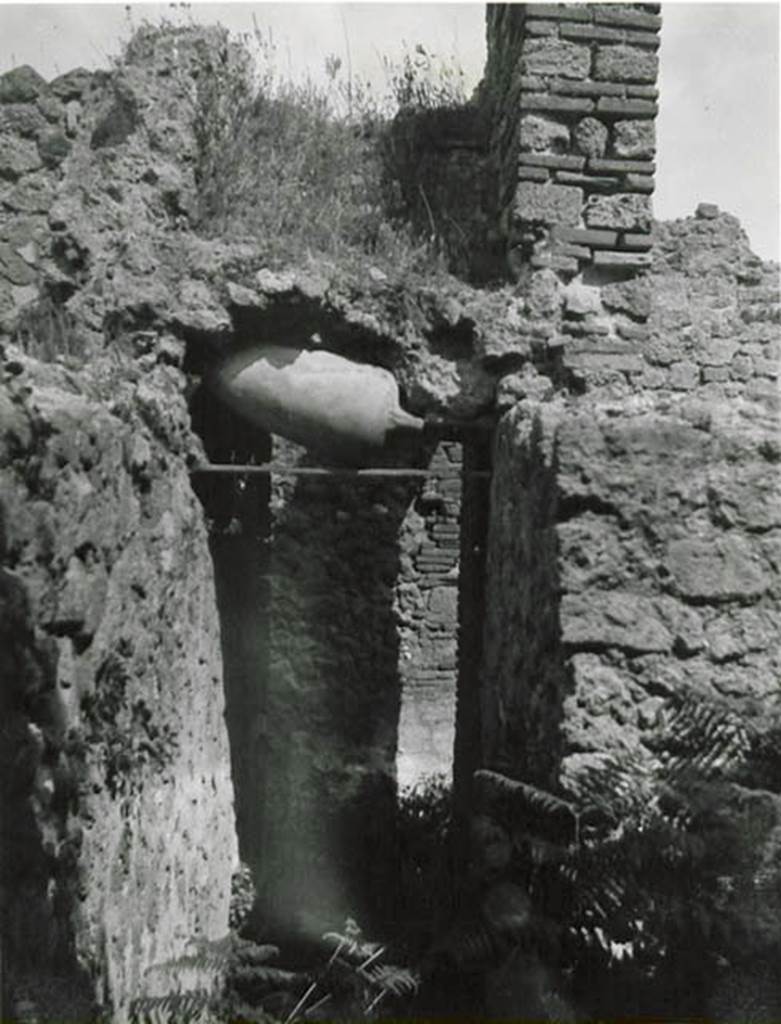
(350, 619)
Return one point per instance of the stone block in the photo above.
(53, 146)
(608, 258)
(647, 92)
(567, 264)
(630, 240)
(634, 139)
(21, 119)
(17, 157)
(51, 108)
(443, 604)
(540, 27)
(540, 134)
(556, 160)
(532, 173)
(633, 297)
(651, 40)
(625, 212)
(593, 333)
(557, 104)
(21, 85)
(741, 367)
(621, 166)
(628, 15)
(13, 268)
(716, 569)
(555, 57)
(707, 211)
(543, 295)
(590, 137)
(639, 183)
(614, 107)
(564, 12)
(617, 619)
(635, 332)
(580, 252)
(715, 351)
(581, 299)
(548, 204)
(572, 88)
(715, 374)
(625, 64)
(591, 182)
(684, 375)
(586, 236)
(34, 193)
(598, 33)
(72, 85)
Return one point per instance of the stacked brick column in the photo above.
(426, 603)
(575, 88)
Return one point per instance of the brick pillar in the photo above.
(573, 93)
(578, 147)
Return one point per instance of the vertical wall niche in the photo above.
(346, 636)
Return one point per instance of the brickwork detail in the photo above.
(575, 92)
(427, 607)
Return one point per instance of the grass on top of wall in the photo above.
(306, 168)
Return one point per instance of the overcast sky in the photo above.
(718, 126)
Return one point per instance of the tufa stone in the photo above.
(549, 204)
(590, 137)
(53, 146)
(21, 85)
(72, 84)
(716, 569)
(21, 119)
(555, 57)
(617, 619)
(72, 117)
(539, 133)
(634, 139)
(625, 64)
(13, 268)
(581, 299)
(707, 211)
(17, 157)
(625, 212)
(633, 297)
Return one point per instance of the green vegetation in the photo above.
(306, 169)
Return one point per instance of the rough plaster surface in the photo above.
(113, 685)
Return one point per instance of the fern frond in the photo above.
(525, 809)
(703, 739)
(398, 981)
(469, 946)
(175, 1008)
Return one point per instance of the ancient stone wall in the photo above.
(118, 829)
(632, 535)
(114, 751)
(633, 540)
